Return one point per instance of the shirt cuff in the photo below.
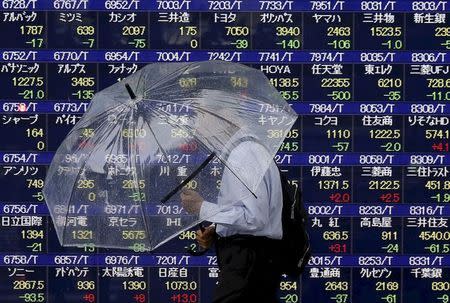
(207, 210)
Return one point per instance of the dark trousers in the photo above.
(248, 273)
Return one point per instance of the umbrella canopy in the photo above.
(114, 181)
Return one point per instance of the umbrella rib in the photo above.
(139, 80)
(191, 176)
(135, 178)
(79, 174)
(156, 139)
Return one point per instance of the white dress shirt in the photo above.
(237, 211)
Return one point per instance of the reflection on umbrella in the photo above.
(113, 181)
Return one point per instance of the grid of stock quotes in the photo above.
(370, 150)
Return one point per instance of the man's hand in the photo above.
(206, 238)
(191, 201)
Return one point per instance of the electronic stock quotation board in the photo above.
(370, 150)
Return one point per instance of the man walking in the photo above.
(244, 227)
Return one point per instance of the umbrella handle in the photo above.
(195, 249)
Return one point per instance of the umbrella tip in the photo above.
(130, 91)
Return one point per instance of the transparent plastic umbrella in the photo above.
(115, 180)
